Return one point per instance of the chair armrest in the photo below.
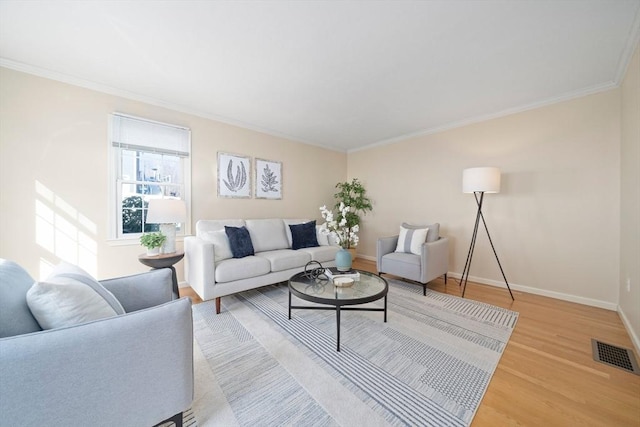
(133, 369)
(143, 290)
(199, 266)
(385, 245)
(435, 259)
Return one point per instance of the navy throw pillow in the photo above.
(240, 241)
(304, 235)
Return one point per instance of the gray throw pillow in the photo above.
(434, 230)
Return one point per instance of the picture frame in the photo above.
(268, 179)
(234, 176)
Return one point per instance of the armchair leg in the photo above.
(176, 419)
(217, 305)
(445, 278)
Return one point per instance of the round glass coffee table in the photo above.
(369, 287)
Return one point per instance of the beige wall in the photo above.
(54, 174)
(556, 222)
(630, 200)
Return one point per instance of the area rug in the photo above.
(429, 365)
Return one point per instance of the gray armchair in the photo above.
(135, 369)
(432, 262)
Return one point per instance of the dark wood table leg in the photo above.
(289, 304)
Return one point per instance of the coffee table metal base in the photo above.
(338, 308)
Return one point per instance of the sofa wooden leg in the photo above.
(424, 289)
(218, 305)
(445, 278)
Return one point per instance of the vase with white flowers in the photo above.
(345, 235)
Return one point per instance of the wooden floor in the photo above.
(547, 375)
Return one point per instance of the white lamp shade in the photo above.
(481, 179)
(166, 211)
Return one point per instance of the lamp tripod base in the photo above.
(467, 265)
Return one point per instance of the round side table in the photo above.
(164, 261)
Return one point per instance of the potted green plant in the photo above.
(354, 195)
(153, 242)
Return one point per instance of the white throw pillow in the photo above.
(411, 240)
(66, 303)
(221, 247)
(323, 238)
(70, 296)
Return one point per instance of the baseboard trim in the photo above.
(530, 290)
(632, 334)
(543, 292)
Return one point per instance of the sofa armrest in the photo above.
(385, 245)
(435, 259)
(142, 290)
(199, 266)
(133, 369)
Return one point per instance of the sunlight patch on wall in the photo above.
(64, 232)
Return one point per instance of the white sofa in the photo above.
(212, 272)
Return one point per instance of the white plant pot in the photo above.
(153, 251)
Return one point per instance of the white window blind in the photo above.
(131, 133)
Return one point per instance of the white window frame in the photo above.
(115, 182)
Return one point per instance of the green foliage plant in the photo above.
(354, 195)
(152, 240)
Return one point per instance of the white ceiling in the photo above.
(343, 75)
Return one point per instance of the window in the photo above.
(149, 160)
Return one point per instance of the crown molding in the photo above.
(473, 120)
(109, 90)
(632, 43)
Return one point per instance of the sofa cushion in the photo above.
(267, 234)
(70, 296)
(284, 259)
(241, 268)
(221, 247)
(434, 230)
(322, 253)
(15, 316)
(304, 235)
(410, 240)
(322, 237)
(205, 225)
(239, 241)
(402, 264)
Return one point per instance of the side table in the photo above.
(164, 261)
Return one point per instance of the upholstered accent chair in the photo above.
(421, 256)
(131, 369)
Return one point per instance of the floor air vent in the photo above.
(619, 357)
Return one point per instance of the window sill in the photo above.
(133, 242)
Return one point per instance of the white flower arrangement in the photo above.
(345, 235)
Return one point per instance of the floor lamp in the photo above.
(479, 181)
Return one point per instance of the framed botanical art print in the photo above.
(234, 176)
(268, 179)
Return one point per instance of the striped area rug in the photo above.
(429, 365)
